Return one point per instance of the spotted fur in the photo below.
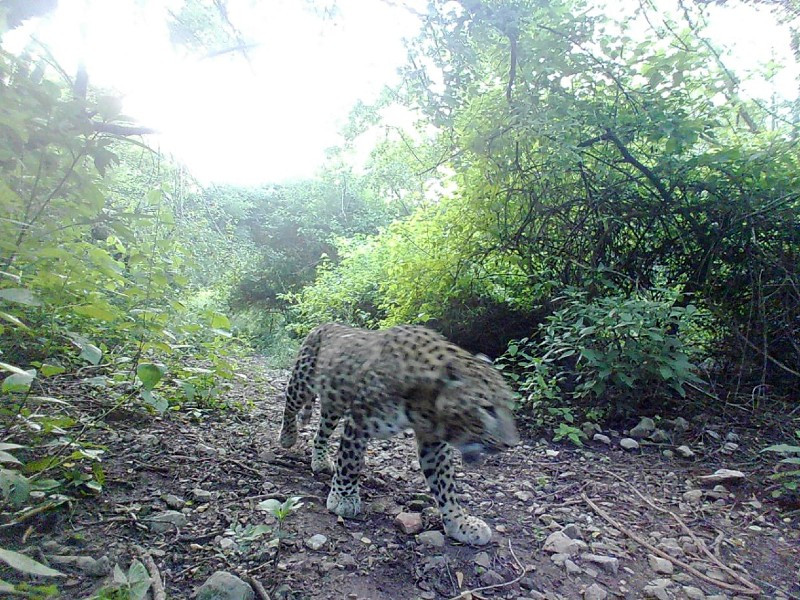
(383, 382)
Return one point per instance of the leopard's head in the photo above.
(473, 407)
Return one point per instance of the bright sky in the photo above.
(272, 119)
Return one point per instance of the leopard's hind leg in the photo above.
(300, 391)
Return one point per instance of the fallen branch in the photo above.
(496, 585)
(751, 590)
(258, 588)
(155, 577)
(685, 528)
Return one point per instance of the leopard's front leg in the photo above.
(436, 460)
(343, 498)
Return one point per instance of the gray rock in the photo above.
(523, 495)
(595, 592)
(572, 531)
(409, 523)
(95, 568)
(173, 501)
(225, 586)
(693, 593)
(346, 560)
(660, 565)
(657, 591)
(609, 564)
(491, 577)
(202, 495)
(629, 444)
(693, 496)
(680, 424)
(659, 436)
(431, 538)
(722, 476)
(482, 560)
(645, 427)
(560, 543)
(148, 439)
(571, 567)
(668, 453)
(169, 520)
(315, 542)
(590, 428)
(227, 543)
(685, 451)
(599, 437)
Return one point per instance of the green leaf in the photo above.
(50, 370)
(95, 312)
(26, 564)
(12, 369)
(150, 374)
(782, 448)
(159, 403)
(220, 321)
(6, 457)
(12, 319)
(90, 353)
(18, 383)
(9, 446)
(15, 487)
(20, 296)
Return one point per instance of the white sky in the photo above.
(271, 120)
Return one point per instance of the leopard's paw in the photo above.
(344, 506)
(469, 530)
(288, 435)
(321, 464)
(304, 416)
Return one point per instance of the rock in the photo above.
(643, 429)
(721, 476)
(588, 428)
(95, 568)
(595, 592)
(173, 501)
(169, 520)
(431, 538)
(225, 586)
(659, 436)
(660, 565)
(571, 567)
(572, 531)
(729, 447)
(629, 444)
(609, 564)
(668, 453)
(658, 591)
(523, 496)
(693, 593)
(680, 424)
(732, 437)
(315, 542)
(202, 495)
(685, 451)
(346, 560)
(491, 577)
(599, 437)
(560, 543)
(227, 543)
(693, 495)
(409, 523)
(148, 439)
(551, 453)
(482, 560)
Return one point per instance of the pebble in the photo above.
(173, 501)
(482, 560)
(646, 426)
(491, 577)
(685, 451)
(629, 444)
(225, 586)
(431, 538)
(560, 543)
(523, 495)
(693, 495)
(595, 592)
(409, 522)
(609, 564)
(693, 593)
(95, 568)
(169, 520)
(599, 437)
(721, 476)
(202, 495)
(660, 565)
(315, 542)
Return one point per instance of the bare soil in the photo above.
(525, 495)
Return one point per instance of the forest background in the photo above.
(597, 199)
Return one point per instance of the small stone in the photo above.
(202, 495)
(431, 538)
(523, 495)
(685, 451)
(148, 439)
(643, 429)
(572, 531)
(599, 437)
(225, 586)
(315, 542)
(629, 444)
(660, 565)
(693, 593)
(551, 453)
(571, 567)
(668, 453)
(482, 560)
(95, 568)
(609, 564)
(659, 436)
(169, 520)
(680, 424)
(346, 560)
(595, 592)
(693, 495)
(173, 501)
(588, 428)
(560, 543)
(227, 543)
(409, 522)
(491, 577)
(720, 476)
(729, 447)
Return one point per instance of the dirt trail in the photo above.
(218, 467)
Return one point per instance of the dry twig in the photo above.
(155, 577)
(258, 588)
(496, 585)
(751, 590)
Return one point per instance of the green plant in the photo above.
(570, 432)
(24, 564)
(281, 511)
(789, 479)
(132, 585)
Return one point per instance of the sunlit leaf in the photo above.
(20, 296)
(26, 564)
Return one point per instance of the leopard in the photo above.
(383, 382)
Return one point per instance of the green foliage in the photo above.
(281, 511)
(132, 585)
(788, 477)
(613, 348)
